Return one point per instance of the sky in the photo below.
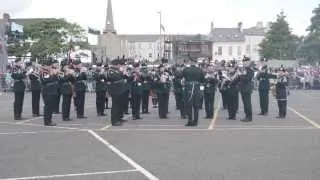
(178, 16)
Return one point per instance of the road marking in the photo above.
(38, 132)
(71, 175)
(305, 118)
(110, 125)
(54, 127)
(213, 122)
(160, 129)
(106, 127)
(123, 156)
(28, 120)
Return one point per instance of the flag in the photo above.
(162, 27)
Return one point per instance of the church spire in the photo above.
(109, 26)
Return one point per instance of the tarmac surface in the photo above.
(218, 149)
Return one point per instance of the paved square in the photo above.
(267, 148)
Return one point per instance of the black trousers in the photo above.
(224, 99)
(282, 105)
(233, 103)
(56, 108)
(35, 102)
(136, 103)
(145, 101)
(178, 97)
(18, 104)
(116, 109)
(80, 100)
(163, 99)
(125, 101)
(201, 100)
(264, 101)
(192, 107)
(48, 100)
(66, 104)
(209, 104)
(100, 102)
(246, 99)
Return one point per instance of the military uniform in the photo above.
(222, 90)
(18, 88)
(178, 88)
(101, 88)
(246, 89)
(35, 87)
(67, 92)
(281, 94)
(80, 90)
(146, 86)
(193, 76)
(210, 84)
(136, 94)
(117, 87)
(163, 89)
(264, 87)
(49, 93)
(232, 96)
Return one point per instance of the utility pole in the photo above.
(3, 42)
(160, 35)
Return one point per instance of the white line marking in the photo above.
(37, 132)
(54, 127)
(71, 175)
(213, 122)
(106, 127)
(160, 125)
(208, 130)
(28, 120)
(123, 156)
(305, 118)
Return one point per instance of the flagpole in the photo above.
(160, 14)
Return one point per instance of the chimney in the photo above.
(211, 27)
(240, 26)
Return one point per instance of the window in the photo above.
(220, 51)
(239, 51)
(230, 51)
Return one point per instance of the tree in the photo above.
(279, 43)
(310, 49)
(50, 38)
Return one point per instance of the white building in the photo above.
(234, 43)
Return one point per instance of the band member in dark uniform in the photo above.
(222, 90)
(263, 78)
(18, 74)
(163, 89)
(35, 86)
(246, 88)
(101, 89)
(136, 92)
(153, 93)
(49, 80)
(210, 84)
(106, 67)
(178, 86)
(282, 93)
(57, 100)
(146, 85)
(117, 87)
(193, 77)
(80, 89)
(232, 94)
(66, 82)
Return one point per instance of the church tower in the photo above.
(109, 26)
(109, 42)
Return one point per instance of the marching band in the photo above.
(133, 85)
